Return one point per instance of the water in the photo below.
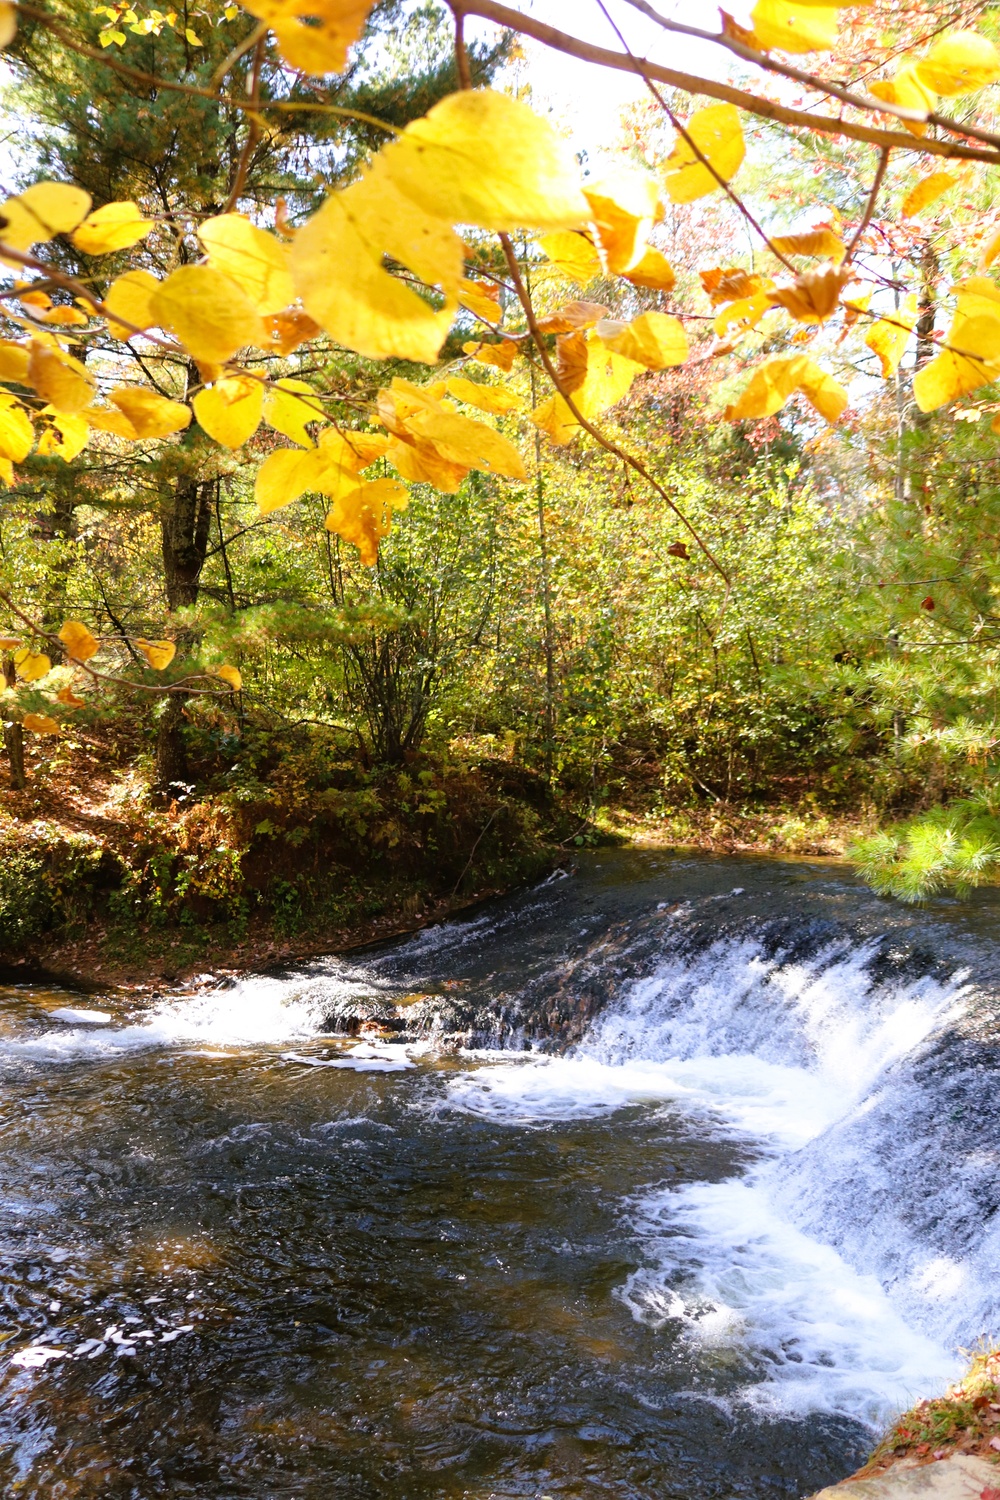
(645, 1186)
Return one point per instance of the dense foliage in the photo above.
(697, 506)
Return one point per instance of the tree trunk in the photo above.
(185, 519)
(13, 736)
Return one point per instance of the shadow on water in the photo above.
(229, 1272)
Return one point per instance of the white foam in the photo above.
(733, 1272)
(78, 1016)
(780, 1054)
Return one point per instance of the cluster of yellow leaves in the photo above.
(958, 62)
(80, 645)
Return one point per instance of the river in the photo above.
(708, 1191)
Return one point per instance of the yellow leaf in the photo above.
(65, 317)
(107, 419)
(59, 378)
(479, 157)
(113, 227)
(207, 312)
(8, 23)
(231, 409)
(478, 298)
(229, 674)
(66, 695)
(191, 37)
(421, 463)
(13, 362)
(653, 271)
(794, 27)
(925, 192)
(812, 298)
(889, 336)
(159, 654)
(74, 432)
(989, 255)
(958, 63)
(40, 724)
(717, 133)
(80, 644)
(16, 431)
(151, 415)
(572, 316)
(41, 212)
(459, 440)
(9, 643)
(347, 449)
(624, 210)
(745, 311)
(491, 398)
(363, 515)
(653, 339)
(821, 243)
(288, 406)
(772, 383)
(284, 476)
(556, 420)
(35, 299)
(31, 665)
(500, 356)
(336, 260)
(315, 48)
(130, 296)
(255, 259)
(907, 91)
(572, 255)
(287, 330)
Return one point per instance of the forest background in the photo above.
(785, 640)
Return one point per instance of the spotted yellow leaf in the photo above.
(794, 27)
(362, 515)
(958, 63)
(116, 226)
(314, 35)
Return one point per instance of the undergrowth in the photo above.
(965, 1419)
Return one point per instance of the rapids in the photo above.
(673, 1178)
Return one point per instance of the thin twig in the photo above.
(870, 206)
(606, 443)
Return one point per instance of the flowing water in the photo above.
(671, 1178)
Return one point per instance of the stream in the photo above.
(672, 1178)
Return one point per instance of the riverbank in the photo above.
(312, 853)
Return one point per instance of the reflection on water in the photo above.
(240, 1257)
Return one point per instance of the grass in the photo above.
(966, 1419)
